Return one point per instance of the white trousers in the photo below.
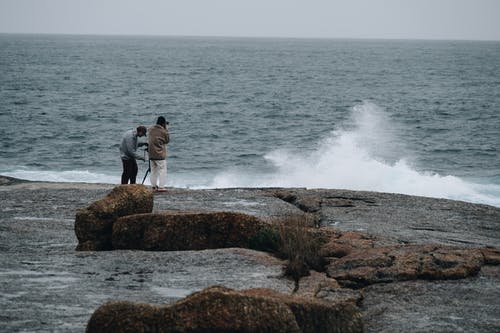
(158, 173)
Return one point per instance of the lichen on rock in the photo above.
(406, 262)
(220, 309)
(195, 230)
(93, 224)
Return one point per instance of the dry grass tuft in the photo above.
(298, 244)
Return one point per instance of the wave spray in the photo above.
(363, 155)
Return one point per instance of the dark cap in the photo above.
(161, 121)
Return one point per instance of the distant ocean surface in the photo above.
(412, 117)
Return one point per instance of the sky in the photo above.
(385, 19)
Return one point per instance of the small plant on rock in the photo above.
(267, 240)
(298, 244)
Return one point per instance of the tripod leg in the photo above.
(146, 158)
(145, 175)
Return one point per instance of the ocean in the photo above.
(412, 117)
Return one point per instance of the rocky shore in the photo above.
(408, 263)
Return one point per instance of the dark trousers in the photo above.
(129, 171)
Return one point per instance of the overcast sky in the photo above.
(407, 19)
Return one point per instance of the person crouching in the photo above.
(128, 153)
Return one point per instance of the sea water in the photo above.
(413, 117)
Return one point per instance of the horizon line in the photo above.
(248, 36)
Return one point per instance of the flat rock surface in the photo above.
(48, 286)
(405, 218)
(468, 305)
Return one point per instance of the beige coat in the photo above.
(158, 139)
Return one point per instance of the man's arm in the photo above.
(131, 143)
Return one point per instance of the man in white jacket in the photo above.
(158, 139)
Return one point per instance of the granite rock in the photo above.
(47, 286)
(192, 230)
(220, 309)
(93, 224)
(408, 262)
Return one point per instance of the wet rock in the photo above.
(177, 231)
(399, 263)
(215, 309)
(408, 219)
(491, 256)
(41, 273)
(464, 305)
(330, 294)
(306, 203)
(220, 309)
(310, 285)
(93, 224)
(252, 201)
(344, 243)
(321, 286)
(5, 180)
(124, 317)
(315, 315)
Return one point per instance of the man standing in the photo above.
(158, 139)
(128, 153)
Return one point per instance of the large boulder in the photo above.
(315, 315)
(93, 224)
(177, 231)
(367, 266)
(125, 317)
(220, 309)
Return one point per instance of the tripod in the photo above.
(149, 165)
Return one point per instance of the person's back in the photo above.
(158, 139)
(128, 145)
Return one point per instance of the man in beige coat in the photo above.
(157, 147)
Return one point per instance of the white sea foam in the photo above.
(76, 176)
(361, 157)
